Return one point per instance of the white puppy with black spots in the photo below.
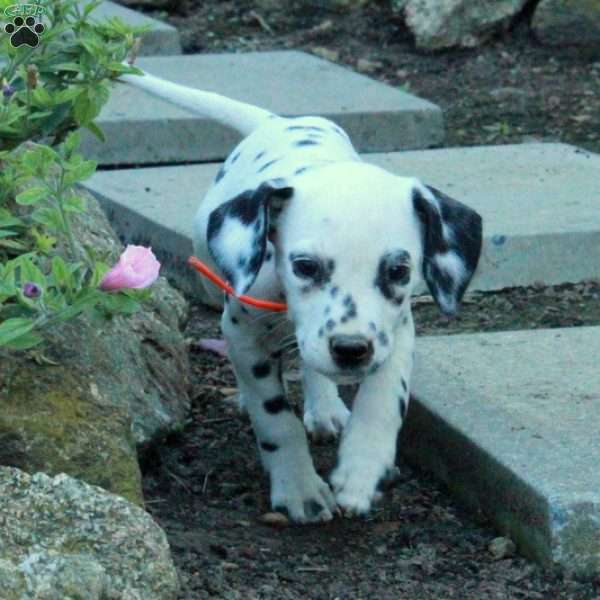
(294, 213)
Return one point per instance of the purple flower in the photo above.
(7, 90)
(32, 290)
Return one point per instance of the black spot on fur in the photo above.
(268, 255)
(329, 324)
(276, 405)
(403, 406)
(276, 354)
(383, 338)
(334, 290)
(321, 332)
(267, 165)
(261, 369)
(405, 321)
(339, 131)
(466, 228)
(220, 174)
(404, 386)
(235, 157)
(304, 127)
(269, 447)
(388, 288)
(313, 508)
(234, 320)
(259, 155)
(306, 143)
(244, 310)
(372, 326)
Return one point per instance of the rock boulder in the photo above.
(62, 538)
(438, 24)
(98, 392)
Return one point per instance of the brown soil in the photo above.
(206, 489)
(205, 486)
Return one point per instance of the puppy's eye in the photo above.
(399, 273)
(307, 268)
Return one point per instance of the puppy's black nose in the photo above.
(350, 350)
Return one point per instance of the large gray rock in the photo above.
(61, 538)
(438, 24)
(101, 391)
(566, 22)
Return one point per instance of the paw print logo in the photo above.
(24, 32)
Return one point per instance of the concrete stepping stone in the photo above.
(141, 129)
(510, 422)
(540, 204)
(162, 39)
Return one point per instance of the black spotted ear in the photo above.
(237, 232)
(452, 237)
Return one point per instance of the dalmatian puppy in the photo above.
(295, 214)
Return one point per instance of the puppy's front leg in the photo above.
(368, 449)
(295, 485)
(325, 414)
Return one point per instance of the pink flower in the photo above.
(137, 268)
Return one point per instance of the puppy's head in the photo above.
(352, 242)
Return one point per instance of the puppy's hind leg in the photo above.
(296, 488)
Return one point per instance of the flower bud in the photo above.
(32, 290)
(32, 77)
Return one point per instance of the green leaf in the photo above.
(119, 303)
(72, 142)
(12, 245)
(84, 109)
(24, 342)
(60, 273)
(31, 273)
(50, 217)
(67, 95)
(11, 329)
(86, 299)
(83, 170)
(32, 195)
(43, 242)
(75, 204)
(96, 131)
(7, 233)
(68, 66)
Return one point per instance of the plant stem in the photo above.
(66, 224)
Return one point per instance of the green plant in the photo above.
(64, 82)
(46, 276)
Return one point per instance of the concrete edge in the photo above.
(548, 529)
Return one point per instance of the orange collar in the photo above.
(197, 264)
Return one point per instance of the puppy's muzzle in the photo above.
(350, 351)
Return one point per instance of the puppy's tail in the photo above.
(242, 117)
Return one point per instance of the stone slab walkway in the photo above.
(510, 422)
(141, 129)
(539, 202)
(163, 39)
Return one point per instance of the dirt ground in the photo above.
(205, 486)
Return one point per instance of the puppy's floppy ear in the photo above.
(237, 231)
(452, 236)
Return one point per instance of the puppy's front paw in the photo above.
(326, 423)
(305, 497)
(355, 486)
